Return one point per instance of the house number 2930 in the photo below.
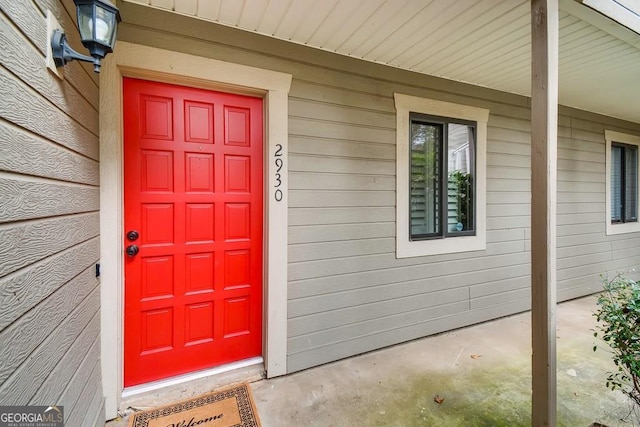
(279, 163)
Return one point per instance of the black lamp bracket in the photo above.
(63, 53)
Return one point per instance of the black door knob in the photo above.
(133, 235)
(132, 250)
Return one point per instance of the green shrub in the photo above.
(618, 317)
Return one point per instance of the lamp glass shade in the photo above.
(105, 26)
(85, 21)
(97, 23)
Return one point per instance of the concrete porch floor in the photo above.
(482, 372)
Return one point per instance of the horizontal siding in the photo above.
(373, 198)
(46, 237)
(496, 287)
(340, 215)
(438, 277)
(25, 288)
(433, 321)
(22, 105)
(340, 181)
(83, 352)
(315, 146)
(26, 199)
(364, 312)
(352, 297)
(348, 293)
(49, 220)
(373, 323)
(329, 233)
(21, 57)
(54, 162)
(25, 381)
(19, 340)
(325, 164)
(87, 405)
(464, 262)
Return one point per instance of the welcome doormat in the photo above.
(232, 407)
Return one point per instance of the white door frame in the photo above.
(133, 60)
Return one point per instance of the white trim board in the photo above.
(627, 14)
(133, 60)
(610, 137)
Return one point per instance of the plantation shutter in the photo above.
(426, 143)
(631, 186)
(616, 183)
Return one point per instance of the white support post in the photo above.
(544, 129)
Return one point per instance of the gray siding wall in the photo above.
(348, 293)
(49, 220)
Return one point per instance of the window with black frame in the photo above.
(624, 183)
(442, 163)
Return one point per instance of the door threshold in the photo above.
(162, 392)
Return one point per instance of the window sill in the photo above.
(629, 227)
(451, 245)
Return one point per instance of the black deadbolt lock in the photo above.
(133, 235)
(132, 250)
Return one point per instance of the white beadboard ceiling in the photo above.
(482, 42)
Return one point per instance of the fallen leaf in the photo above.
(476, 356)
(438, 399)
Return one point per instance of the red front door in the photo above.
(193, 194)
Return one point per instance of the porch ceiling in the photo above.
(482, 42)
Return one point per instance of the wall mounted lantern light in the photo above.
(97, 22)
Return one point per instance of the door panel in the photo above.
(193, 191)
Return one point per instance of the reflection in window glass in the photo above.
(459, 173)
